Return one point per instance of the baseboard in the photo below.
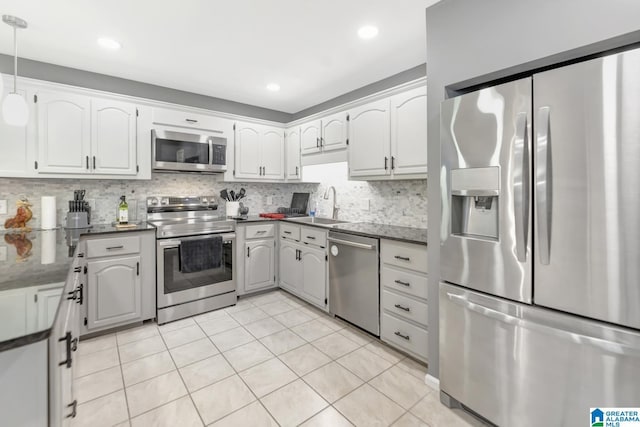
(432, 382)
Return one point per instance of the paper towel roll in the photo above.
(48, 213)
(48, 246)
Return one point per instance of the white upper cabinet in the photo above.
(272, 150)
(259, 152)
(64, 138)
(409, 132)
(334, 132)
(310, 137)
(369, 140)
(247, 145)
(113, 137)
(292, 142)
(388, 138)
(326, 134)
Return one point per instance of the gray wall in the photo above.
(87, 79)
(395, 80)
(471, 42)
(71, 76)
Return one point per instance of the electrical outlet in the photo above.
(92, 204)
(269, 200)
(365, 204)
(3, 253)
(3, 207)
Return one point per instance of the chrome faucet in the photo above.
(335, 208)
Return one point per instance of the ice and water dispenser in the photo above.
(475, 196)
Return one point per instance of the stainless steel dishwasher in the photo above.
(354, 282)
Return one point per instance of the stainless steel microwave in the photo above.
(187, 152)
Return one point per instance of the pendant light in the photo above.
(14, 107)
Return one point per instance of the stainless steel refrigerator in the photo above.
(540, 245)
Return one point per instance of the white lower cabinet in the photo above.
(403, 297)
(303, 266)
(259, 265)
(290, 271)
(314, 277)
(114, 291)
(120, 280)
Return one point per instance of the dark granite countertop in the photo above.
(382, 231)
(392, 232)
(32, 264)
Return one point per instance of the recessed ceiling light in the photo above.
(108, 43)
(273, 87)
(368, 32)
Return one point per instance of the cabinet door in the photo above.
(314, 276)
(113, 137)
(369, 146)
(114, 291)
(409, 132)
(247, 150)
(64, 140)
(48, 301)
(272, 150)
(259, 264)
(290, 267)
(293, 154)
(14, 146)
(334, 132)
(14, 312)
(310, 137)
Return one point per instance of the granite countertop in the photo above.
(34, 266)
(382, 231)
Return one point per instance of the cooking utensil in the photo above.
(242, 193)
(233, 195)
(224, 194)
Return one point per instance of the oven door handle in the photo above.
(174, 243)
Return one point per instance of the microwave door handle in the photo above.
(210, 142)
(543, 184)
(521, 186)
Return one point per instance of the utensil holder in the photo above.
(232, 208)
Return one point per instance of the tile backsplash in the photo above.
(396, 203)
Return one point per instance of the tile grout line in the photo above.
(183, 381)
(124, 388)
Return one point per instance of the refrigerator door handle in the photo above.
(543, 184)
(609, 346)
(521, 186)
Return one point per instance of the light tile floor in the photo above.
(271, 360)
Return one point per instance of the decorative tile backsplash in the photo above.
(395, 203)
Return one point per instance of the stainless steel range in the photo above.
(185, 219)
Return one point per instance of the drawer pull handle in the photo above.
(406, 337)
(261, 231)
(401, 307)
(74, 406)
(403, 258)
(110, 248)
(77, 269)
(287, 232)
(311, 237)
(400, 282)
(67, 341)
(191, 120)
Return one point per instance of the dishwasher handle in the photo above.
(352, 244)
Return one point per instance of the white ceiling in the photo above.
(228, 49)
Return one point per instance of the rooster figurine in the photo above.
(23, 216)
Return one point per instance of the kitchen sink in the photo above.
(325, 222)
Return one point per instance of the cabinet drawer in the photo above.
(314, 236)
(113, 246)
(260, 231)
(406, 255)
(405, 281)
(404, 335)
(196, 121)
(406, 307)
(290, 231)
